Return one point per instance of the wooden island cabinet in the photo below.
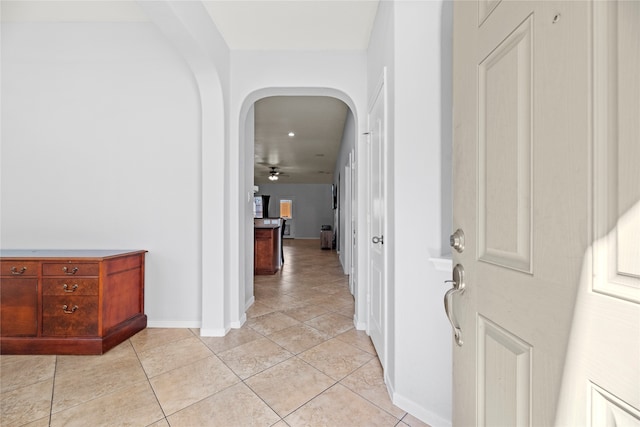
(267, 246)
(69, 301)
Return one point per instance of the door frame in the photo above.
(380, 90)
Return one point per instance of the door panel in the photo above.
(547, 191)
(504, 164)
(617, 150)
(504, 376)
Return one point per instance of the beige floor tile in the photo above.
(339, 406)
(162, 423)
(166, 357)
(234, 338)
(412, 421)
(302, 293)
(331, 324)
(298, 338)
(19, 371)
(327, 289)
(149, 338)
(327, 302)
(249, 359)
(42, 422)
(306, 312)
(347, 312)
(263, 291)
(26, 404)
(359, 339)
(83, 378)
(281, 302)
(189, 384)
(288, 385)
(66, 363)
(270, 323)
(235, 406)
(135, 406)
(336, 358)
(368, 382)
(258, 309)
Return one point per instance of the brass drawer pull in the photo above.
(65, 308)
(73, 288)
(74, 270)
(16, 272)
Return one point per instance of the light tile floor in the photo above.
(297, 361)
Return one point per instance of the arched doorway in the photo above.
(245, 296)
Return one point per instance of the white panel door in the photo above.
(527, 172)
(377, 298)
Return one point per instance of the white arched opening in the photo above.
(207, 58)
(242, 298)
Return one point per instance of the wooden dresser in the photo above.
(69, 301)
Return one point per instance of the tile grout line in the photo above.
(53, 388)
(146, 375)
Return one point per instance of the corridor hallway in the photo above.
(297, 361)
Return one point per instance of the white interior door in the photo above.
(353, 219)
(347, 222)
(377, 260)
(530, 189)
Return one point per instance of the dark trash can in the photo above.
(326, 237)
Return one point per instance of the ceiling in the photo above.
(318, 122)
(244, 24)
(310, 155)
(294, 24)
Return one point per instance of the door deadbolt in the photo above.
(456, 240)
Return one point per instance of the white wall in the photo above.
(101, 149)
(407, 39)
(188, 27)
(311, 206)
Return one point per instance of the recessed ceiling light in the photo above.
(292, 134)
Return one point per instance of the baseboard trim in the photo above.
(418, 411)
(361, 326)
(173, 324)
(239, 323)
(214, 332)
(249, 304)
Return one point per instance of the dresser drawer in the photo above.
(19, 268)
(71, 269)
(69, 286)
(69, 315)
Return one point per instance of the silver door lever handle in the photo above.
(458, 287)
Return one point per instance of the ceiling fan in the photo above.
(274, 173)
